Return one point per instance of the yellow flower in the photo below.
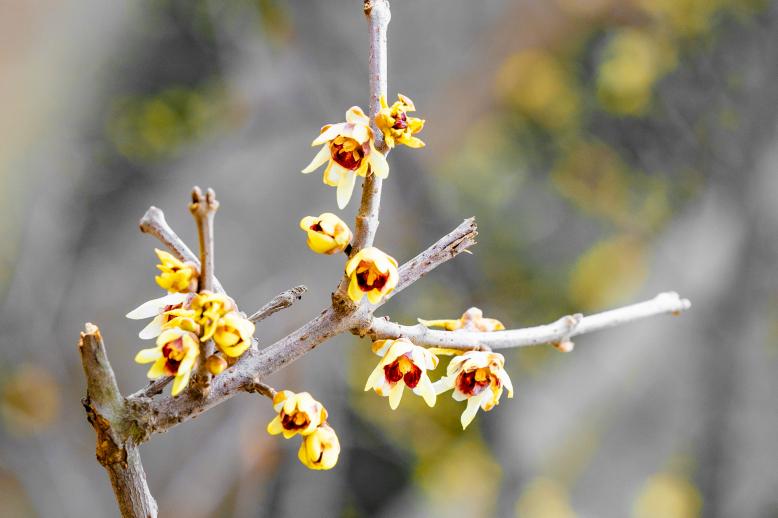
(348, 151)
(397, 127)
(297, 413)
(174, 355)
(372, 272)
(471, 320)
(478, 377)
(320, 449)
(177, 276)
(157, 308)
(233, 334)
(327, 234)
(209, 308)
(403, 364)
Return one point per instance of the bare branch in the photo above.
(257, 387)
(155, 387)
(155, 224)
(281, 301)
(446, 248)
(378, 16)
(203, 209)
(105, 411)
(557, 332)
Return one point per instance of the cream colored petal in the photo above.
(395, 395)
(425, 390)
(506, 382)
(154, 307)
(345, 188)
(378, 163)
(380, 347)
(458, 396)
(355, 115)
(330, 132)
(361, 133)
(148, 355)
(469, 414)
(320, 159)
(376, 377)
(443, 384)
(152, 329)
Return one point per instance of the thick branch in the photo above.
(281, 301)
(560, 331)
(378, 16)
(105, 409)
(155, 224)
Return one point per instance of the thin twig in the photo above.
(560, 331)
(257, 387)
(281, 301)
(378, 16)
(154, 388)
(154, 223)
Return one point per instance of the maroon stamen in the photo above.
(400, 121)
(467, 384)
(346, 158)
(378, 282)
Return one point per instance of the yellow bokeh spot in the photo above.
(668, 496)
(633, 61)
(544, 498)
(610, 272)
(537, 84)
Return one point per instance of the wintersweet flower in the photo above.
(397, 127)
(403, 364)
(233, 334)
(174, 355)
(157, 308)
(471, 320)
(177, 276)
(327, 234)
(372, 272)
(210, 307)
(349, 151)
(478, 377)
(320, 449)
(297, 413)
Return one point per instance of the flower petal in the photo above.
(469, 414)
(320, 159)
(345, 188)
(148, 355)
(395, 395)
(152, 329)
(154, 307)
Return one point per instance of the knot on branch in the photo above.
(109, 450)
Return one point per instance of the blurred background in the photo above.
(610, 150)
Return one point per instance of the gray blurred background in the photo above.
(609, 149)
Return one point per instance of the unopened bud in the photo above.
(564, 346)
(216, 364)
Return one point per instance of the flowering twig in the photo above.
(154, 223)
(203, 209)
(378, 17)
(281, 301)
(560, 331)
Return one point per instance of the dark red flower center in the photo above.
(296, 421)
(350, 159)
(394, 371)
(316, 227)
(400, 121)
(379, 280)
(173, 352)
(469, 384)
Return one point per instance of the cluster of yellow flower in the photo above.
(185, 317)
(303, 415)
(349, 151)
(476, 376)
